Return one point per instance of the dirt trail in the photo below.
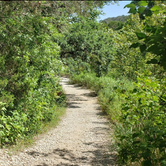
(82, 138)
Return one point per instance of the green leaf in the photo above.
(142, 48)
(140, 35)
(2, 133)
(154, 49)
(150, 29)
(6, 139)
(135, 45)
(141, 9)
(1, 126)
(156, 12)
(142, 3)
(132, 10)
(148, 13)
(155, 8)
(130, 5)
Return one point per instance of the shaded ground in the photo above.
(83, 137)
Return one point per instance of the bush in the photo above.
(29, 89)
(87, 42)
(141, 131)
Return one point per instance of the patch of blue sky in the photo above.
(114, 10)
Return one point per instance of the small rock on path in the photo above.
(82, 138)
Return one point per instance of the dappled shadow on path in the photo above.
(69, 105)
(43, 164)
(73, 97)
(98, 157)
(105, 123)
(90, 94)
(35, 153)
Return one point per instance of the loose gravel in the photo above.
(82, 138)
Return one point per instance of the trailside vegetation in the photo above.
(128, 77)
(87, 43)
(30, 63)
(125, 66)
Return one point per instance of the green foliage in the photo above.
(30, 62)
(126, 61)
(107, 61)
(12, 127)
(29, 90)
(89, 43)
(75, 66)
(153, 38)
(141, 132)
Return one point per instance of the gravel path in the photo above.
(82, 138)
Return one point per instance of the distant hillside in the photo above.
(115, 23)
(122, 18)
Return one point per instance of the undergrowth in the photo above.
(108, 91)
(137, 110)
(27, 141)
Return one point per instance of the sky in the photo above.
(115, 10)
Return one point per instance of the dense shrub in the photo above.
(141, 131)
(87, 41)
(29, 90)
